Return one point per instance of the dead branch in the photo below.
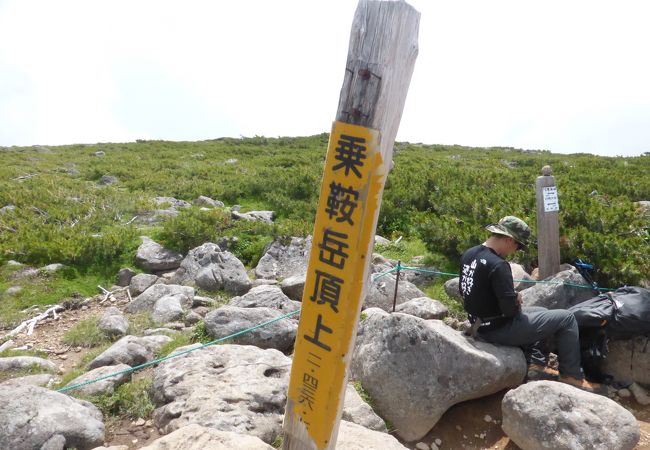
(31, 323)
(24, 177)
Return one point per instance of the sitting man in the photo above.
(494, 307)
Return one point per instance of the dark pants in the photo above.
(531, 328)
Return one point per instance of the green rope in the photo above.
(435, 272)
(175, 355)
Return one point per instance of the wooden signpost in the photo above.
(382, 52)
(548, 224)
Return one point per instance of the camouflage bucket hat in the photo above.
(514, 227)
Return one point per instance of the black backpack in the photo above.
(621, 314)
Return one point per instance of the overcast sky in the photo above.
(566, 76)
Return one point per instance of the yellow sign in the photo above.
(350, 195)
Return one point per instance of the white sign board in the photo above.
(551, 202)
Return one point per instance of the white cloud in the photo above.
(563, 76)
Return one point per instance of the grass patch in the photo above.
(178, 340)
(44, 290)
(11, 352)
(139, 322)
(86, 333)
(200, 334)
(404, 250)
(34, 369)
(129, 401)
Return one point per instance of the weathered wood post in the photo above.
(381, 55)
(548, 224)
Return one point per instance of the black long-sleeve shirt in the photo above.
(486, 286)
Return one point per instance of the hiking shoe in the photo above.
(585, 385)
(539, 372)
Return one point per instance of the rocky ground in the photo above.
(469, 425)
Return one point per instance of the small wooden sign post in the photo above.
(382, 52)
(548, 224)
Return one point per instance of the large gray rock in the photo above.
(146, 301)
(521, 279)
(197, 437)
(154, 257)
(381, 291)
(237, 388)
(357, 411)
(356, 437)
(202, 200)
(629, 360)
(124, 276)
(451, 287)
(113, 322)
(228, 320)
(23, 363)
(254, 216)
(212, 269)
(141, 282)
(558, 292)
(547, 414)
(41, 379)
(283, 259)
(416, 369)
(130, 350)
(171, 202)
(31, 416)
(169, 309)
(294, 286)
(424, 308)
(105, 386)
(266, 296)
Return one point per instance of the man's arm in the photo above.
(504, 289)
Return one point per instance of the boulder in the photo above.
(31, 416)
(25, 363)
(124, 276)
(629, 360)
(228, 320)
(357, 411)
(423, 307)
(197, 437)
(147, 300)
(52, 268)
(141, 282)
(267, 296)
(105, 386)
(419, 278)
(381, 291)
(356, 437)
(169, 308)
(171, 202)
(107, 180)
(152, 256)
(41, 379)
(237, 388)
(130, 350)
(452, 288)
(113, 322)
(415, 369)
(284, 258)
(558, 292)
(547, 414)
(254, 216)
(294, 286)
(212, 269)
(202, 200)
(380, 240)
(520, 277)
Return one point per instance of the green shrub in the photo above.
(130, 400)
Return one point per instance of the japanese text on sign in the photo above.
(350, 191)
(551, 202)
